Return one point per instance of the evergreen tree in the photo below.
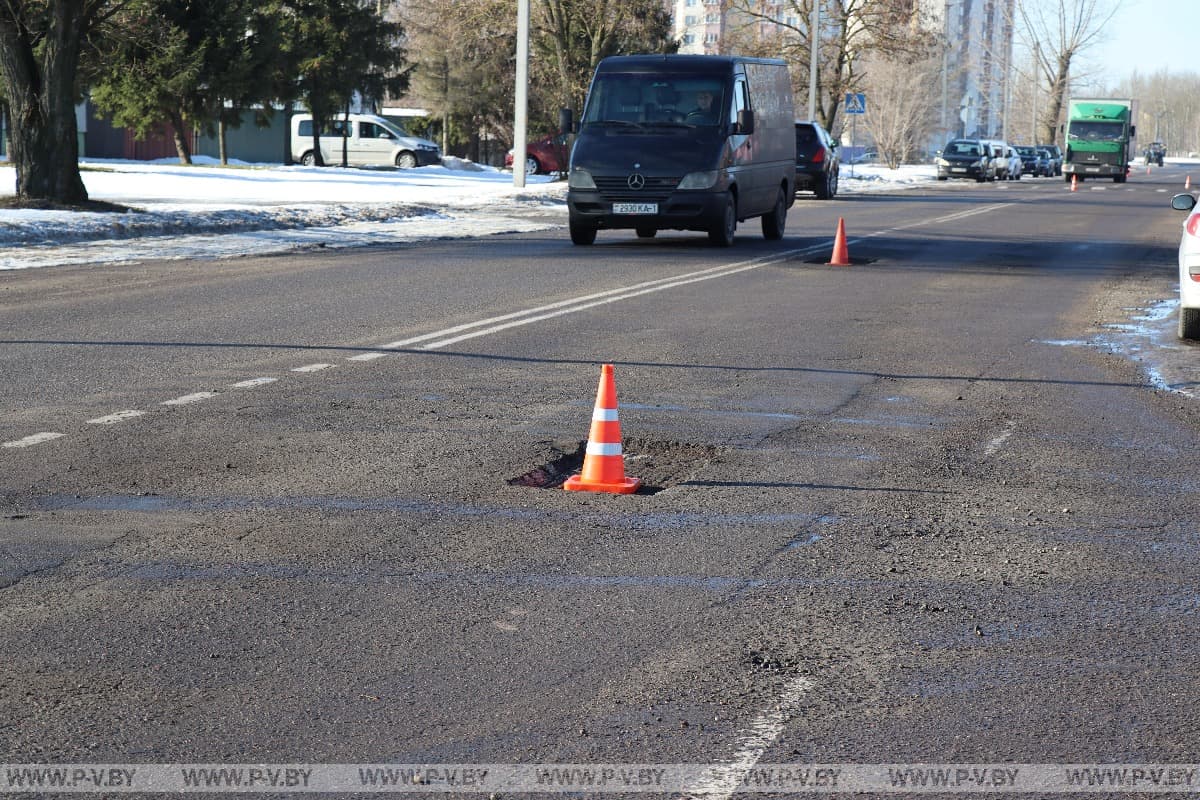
(334, 49)
(149, 75)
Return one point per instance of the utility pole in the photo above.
(814, 56)
(520, 115)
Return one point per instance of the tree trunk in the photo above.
(345, 134)
(41, 88)
(222, 153)
(179, 132)
(1058, 98)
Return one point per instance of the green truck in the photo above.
(1100, 138)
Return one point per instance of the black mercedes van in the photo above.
(683, 142)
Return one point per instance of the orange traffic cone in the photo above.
(1188, 183)
(603, 462)
(841, 254)
(1074, 183)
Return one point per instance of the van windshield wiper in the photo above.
(621, 122)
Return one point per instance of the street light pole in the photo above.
(520, 113)
(814, 55)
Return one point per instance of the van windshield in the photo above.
(642, 99)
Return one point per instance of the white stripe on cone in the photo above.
(603, 449)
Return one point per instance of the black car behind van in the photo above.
(817, 162)
(683, 142)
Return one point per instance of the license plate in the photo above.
(635, 208)
(958, 169)
(1091, 169)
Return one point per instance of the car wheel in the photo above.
(308, 159)
(774, 222)
(532, 167)
(821, 187)
(406, 160)
(942, 178)
(1189, 323)
(645, 232)
(722, 231)
(582, 233)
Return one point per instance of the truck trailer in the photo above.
(1100, 138)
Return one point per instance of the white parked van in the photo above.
(370, 141)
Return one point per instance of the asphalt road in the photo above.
(895, 512)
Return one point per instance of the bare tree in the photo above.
(464, 65)
(570, 37)
(1057, 32)
(850, 31)
(904, 108)
(1170, 108)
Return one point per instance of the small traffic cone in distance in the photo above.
(841, 253)
(604, 461)
(1074, 183)
(1188, 183)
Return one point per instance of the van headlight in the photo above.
(699, 180)
(580, 179)
(941, 162)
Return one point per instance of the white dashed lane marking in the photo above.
(37, 438)
(250, 384)
(189, 398)
(312, 368)
(113, 419)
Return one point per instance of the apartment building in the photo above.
(977, 66)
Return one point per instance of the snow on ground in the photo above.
(209, 211)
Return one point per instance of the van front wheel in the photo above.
(406, 160)
(722, 231)
(774, 222)
(308, 159)
(581, 233)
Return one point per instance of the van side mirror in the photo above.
(566, 121)
(1132, 131)
(745, 122)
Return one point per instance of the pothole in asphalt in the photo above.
(659, 465)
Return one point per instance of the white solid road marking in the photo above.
(312, 368)
(113, 419)
(250, 384)
(761, 734)
(37, 438)
(189, 398)
(446, 337)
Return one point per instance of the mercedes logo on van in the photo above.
(637, 181)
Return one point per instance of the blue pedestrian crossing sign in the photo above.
(856, 103)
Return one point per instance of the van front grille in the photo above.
(618, 190)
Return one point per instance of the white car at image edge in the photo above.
(1189, 268)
